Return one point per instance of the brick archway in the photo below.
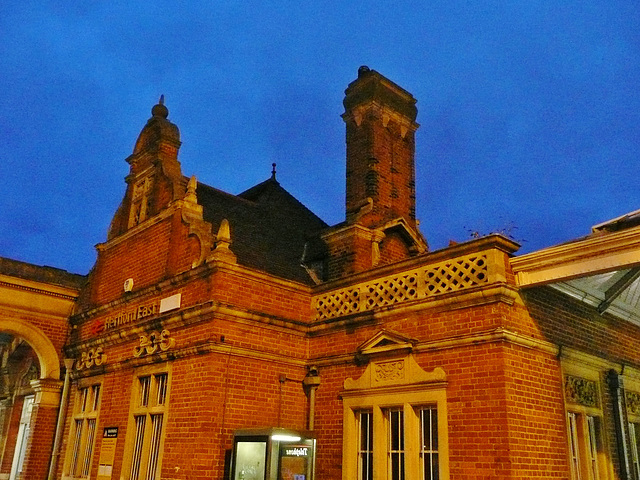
(46, 352)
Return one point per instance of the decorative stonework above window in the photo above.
(580, 391)
(90, 358)
(389, 371)
(395, 399)
(402, 371)
(154, 343)
(633, 402)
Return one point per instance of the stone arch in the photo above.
(46, 352)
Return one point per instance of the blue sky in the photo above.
(529, 111)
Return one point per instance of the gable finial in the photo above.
(221, 250)
(160, 110)
(191, 190)
(273, 171)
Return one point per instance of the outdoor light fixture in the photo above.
(285, 438)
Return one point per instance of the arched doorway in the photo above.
(35, 305)
(27, 356)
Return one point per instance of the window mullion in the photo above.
(379, 444)
(411, 441)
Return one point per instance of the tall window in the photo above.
(574, 449)
(395, 420)
(429, 443)
(83, 431)
(22, 438)
(586, 448)
(149, 413)
(584, 445)
(399, 442)
(395, 444)
(634, 436)
(365, 446)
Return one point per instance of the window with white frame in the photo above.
(386, 433)
(365, 445)
(429, 443)
(22, 438)
(148, 418)
(585, 440)
(632, 403)
(634, 437)
(83, 430)
(395, 443)
(587, 452)
(394, 424)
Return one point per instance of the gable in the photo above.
(386, 341)
(269, 227)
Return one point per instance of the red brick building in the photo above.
(208, 313)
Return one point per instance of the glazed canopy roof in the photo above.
(601, 269)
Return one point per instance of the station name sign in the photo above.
(131, 315)
(139, 312)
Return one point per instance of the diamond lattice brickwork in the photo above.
(452, 275)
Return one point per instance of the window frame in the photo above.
(147, 443)
(83, 428)
(634, 437)
(586, 428)
(410, 401)
(365, 472)
(432, 450)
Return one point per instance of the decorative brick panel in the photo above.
(452, 275)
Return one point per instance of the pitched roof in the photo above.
(269, 227)
(44, 274)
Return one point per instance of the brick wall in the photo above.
(13, 425)
(565, 321)
(38, 454)
(393, 249)
(349, 254)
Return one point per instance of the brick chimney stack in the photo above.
(380, 122)
(380, 225)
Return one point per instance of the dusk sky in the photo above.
(529, 110)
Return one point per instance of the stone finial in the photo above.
(191, 190)
(160, 110)
(223, 240)
(363, 70)
(224, 233)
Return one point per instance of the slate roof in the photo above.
(269, 227)
(50, 275)
(629, 220)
